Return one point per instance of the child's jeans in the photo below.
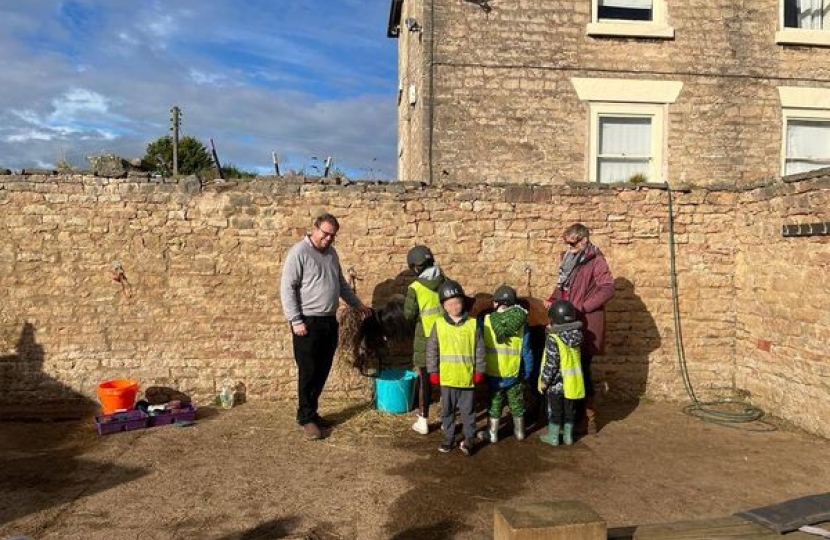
(462, 399)
(560, 410)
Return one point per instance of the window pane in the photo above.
(809, 14)
(621, 170)
(808, 139)
(795, 166)
(625, 136)
(628, 10)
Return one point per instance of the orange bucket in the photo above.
(117, 394)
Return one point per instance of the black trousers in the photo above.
(586, 361)
(424, 392)
(560, 410)
(314, 353)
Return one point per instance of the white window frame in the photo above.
(656, 112)
(802, 115)
(657, 27)
(799, 36)
(801, 103)
(629, 97)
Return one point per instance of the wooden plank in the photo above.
(729, 528)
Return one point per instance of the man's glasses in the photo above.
(327, 234)
(574, 243)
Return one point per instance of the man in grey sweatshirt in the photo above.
(311, 288)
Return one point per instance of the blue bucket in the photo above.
(393, 390)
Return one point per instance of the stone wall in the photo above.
(782, 289)
(505, 109)
(202, 267)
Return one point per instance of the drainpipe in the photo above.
(431, 86)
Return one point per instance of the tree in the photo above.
(194, 157)
(232, 171)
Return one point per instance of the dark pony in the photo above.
(365, 343)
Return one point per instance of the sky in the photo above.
(304, 78)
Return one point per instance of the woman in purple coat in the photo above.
(586, 282)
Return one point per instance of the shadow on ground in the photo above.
(41, 441)
(270, 530)
(448, 489)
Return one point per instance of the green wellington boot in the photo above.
(568, 434)
(552, 437)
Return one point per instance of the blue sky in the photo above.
(304, 78)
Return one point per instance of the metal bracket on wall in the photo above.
(806, 229)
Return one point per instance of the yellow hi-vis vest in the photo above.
(429, 306)
(570, 364)
(456, 353)
(503, 359)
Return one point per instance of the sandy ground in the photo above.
(247, 474)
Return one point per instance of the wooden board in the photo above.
(729, 528)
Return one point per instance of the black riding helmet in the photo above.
(419, 258)
(450, 289)
(562, 312)
(505, 295)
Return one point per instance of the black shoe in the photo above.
(467, 447)
(321, 422)
(445, 448)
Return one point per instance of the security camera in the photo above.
(412, 25)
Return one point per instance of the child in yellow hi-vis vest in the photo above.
(509, 360)
(455, 360)
(422, 308)
(560, 378)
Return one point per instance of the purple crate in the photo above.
(186, 413)
(120, 421)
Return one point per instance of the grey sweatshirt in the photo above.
(313, 282)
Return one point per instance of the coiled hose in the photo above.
(724, 412)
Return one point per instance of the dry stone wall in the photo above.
(201, 267)
(782, 289)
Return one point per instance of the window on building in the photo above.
(625, 10)
(626, 142)
(631, 18)
(804, 22)
(807, 145)
(624, 149)
(805, 138)
(807, 14)
(627, 127)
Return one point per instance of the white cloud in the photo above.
(212, 79)
(78, 102)
(77, 112)
(162, 27)
(31, 135)
(127, 38)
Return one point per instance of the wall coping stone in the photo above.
(529, 192)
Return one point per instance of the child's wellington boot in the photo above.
(568, 434)
(552, 437)
(493, 432)
(519, 428)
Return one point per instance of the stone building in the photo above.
(552, 91)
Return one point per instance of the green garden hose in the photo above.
(724, 412)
